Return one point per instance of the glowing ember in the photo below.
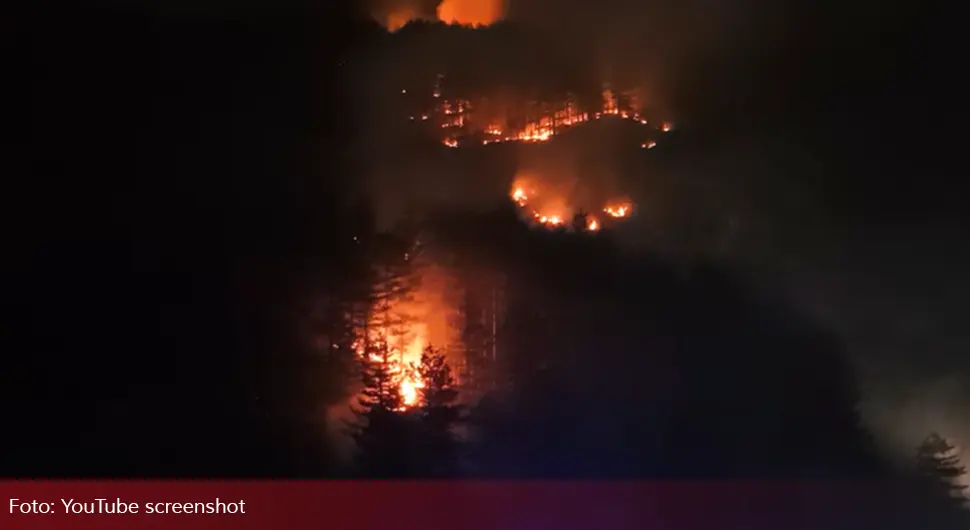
(648, 145)
(667, 127)
(450, 142)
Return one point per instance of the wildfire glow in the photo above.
(409, 391)
(471, 12)
(618, 211)
(401, 362)
(462, 12)
(554, 212)
(550, 220)
(396, 20)
(421, 319)
(462, 118)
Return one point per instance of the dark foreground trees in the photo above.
(397, 441)
(655, 371)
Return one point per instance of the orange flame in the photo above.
(549, 220)
(555, 119)
(566, 114)
(407, 327)
(552, 212)
(409, 391)
(405, 354)
(401, 369)
(618, 211)
(471, 12)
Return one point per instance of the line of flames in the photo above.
(616, 210)
(542, 130)
(537, 131)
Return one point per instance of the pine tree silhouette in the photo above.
(381, 386)
(381, 431)
(439, 390)
(441, 449)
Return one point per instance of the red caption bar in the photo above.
(353, 505)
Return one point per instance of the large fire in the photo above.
(471, 12)
(403, 326)
(466, 122)
(403, 358)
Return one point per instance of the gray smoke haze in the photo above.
(767, 201)
(761, 199)
(893, 292)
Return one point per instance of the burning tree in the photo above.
(379, 376)
(396, 441)
(385, 329)
(382, 432)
